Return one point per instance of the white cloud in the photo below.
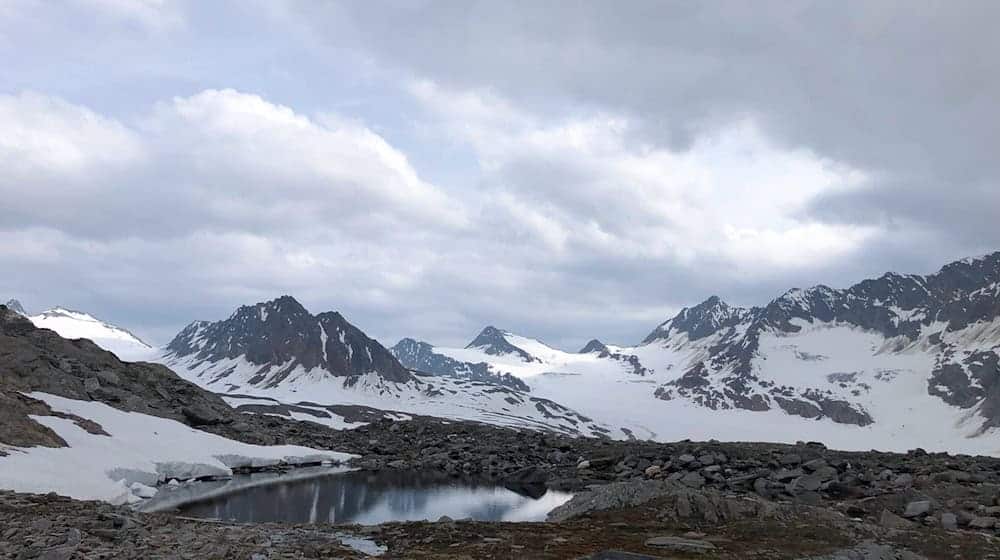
(589, 183)
(254, 160)
(217, 159)
(47, 136)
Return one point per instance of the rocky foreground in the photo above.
(681, 500)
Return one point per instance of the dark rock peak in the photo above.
(494, 342)
(16, 307)
(420, 356)
(284, 308)
(489, 335)
(960, 294)
(594, 346)
(282, 333)
(700, 321)
(408, 345)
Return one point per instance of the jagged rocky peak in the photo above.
(493, 341)
(410, 347)
(16, 307)
(282, 333)
(700, 321)
(421, 356)
(594, 346)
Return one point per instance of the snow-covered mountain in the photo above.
(420, 356)
(77, 324)
(900, 361)
(278, 343)
(16, 307)
(278, 350)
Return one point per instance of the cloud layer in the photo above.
(563, 173)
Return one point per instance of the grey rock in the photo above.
(814, 464)
(618, 555)
(109, 377)
(890, 520)
(677, 544)
(982, 523)
(790, 459)
(693, 480)
(949, 521)
(58, 553)
(91, 385)
(917, 508)
(904, 479)
(787, 474)
(73, 537)
(802, 484)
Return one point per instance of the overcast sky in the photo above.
(565, 170)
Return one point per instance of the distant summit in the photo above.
(494, 341)
(279, 339)
(78, 324)
(594, 346)
(420, 356)
(16, 307)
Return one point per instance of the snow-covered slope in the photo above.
(137, 452)
(279, 350)
(76, 324)
(896, 362)
(503, 353)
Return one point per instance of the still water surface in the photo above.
(367, 498)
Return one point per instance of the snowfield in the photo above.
(848, 362)
(442, 397)
(141, 451)
(76, 324)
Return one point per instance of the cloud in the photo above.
(48, 136)
(588, 183)
(901, 92)
(217, 159)
(568, 173)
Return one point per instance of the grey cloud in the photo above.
(903, 92)
(906, 91)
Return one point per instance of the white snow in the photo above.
(432, 396)
(333, 420)
(322, 340)
(75, 324)
(141, 449)
(886, 377)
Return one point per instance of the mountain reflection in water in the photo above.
(374, 497)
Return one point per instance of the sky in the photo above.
(564, 170)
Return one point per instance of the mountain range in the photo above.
(896, 361)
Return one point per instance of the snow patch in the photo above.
(141, 448)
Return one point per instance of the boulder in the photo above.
(678, 544)
(692, 480)
(917, 508)
(890, 520)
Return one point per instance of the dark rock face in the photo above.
(16, 307)
(896, 306)
(705, 319)
(594, 346)
(33, 359)
(493, 341)
(282, 333)
(420, 356)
